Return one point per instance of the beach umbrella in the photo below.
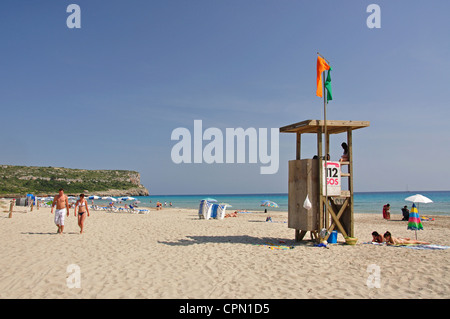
(110, 198)
(127, 198)
(209, 199)
(94, 197)
(414, 222)
(268, 203)
(225, 204)
(418, 199)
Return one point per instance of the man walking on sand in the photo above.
(62, 207)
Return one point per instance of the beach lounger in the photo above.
(130, 209)
(213, 213)
(134, 210)
(221, 211)
(112, 209)
(204, 211)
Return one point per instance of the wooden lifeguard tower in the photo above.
(329, 209)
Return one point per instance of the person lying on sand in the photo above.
(377, 238)
(390, 240)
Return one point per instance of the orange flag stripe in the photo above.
(322, 66)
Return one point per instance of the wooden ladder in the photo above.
(336, 212)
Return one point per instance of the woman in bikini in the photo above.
(377, 238)
(345, 156)
(401, 241)
(83, 209)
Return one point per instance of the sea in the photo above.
(364, 202)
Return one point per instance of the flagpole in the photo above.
(323, 57)
(326, 150)
(326, 142)
(325, 214)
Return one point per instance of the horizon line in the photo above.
(396, 191)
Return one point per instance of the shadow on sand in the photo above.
(243, 239)
(49, 233)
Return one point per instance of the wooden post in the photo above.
(11, 209)
(32, 205)
(298, 235)
(298, 146)
(350, 178)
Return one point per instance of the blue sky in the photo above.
(109, 95)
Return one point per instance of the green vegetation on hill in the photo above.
(42, 180)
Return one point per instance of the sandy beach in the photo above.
(171, 254)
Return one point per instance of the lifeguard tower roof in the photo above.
(333, 127)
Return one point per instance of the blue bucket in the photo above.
(333, 237)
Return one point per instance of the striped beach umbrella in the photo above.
(269, 203)
(127, 198)
(414, 222)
